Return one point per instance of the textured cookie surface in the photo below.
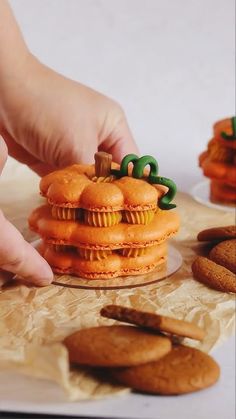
(224, 254)
(217, 233)
(115, 346)
(214, 275)
(153, 321)
(183, 370)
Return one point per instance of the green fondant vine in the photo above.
(139, 165)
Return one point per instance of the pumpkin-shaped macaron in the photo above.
(104, 221)
(77, 192)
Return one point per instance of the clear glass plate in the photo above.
(173, 264)
(200, 192)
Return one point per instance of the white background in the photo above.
(170, 63)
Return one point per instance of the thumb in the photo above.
(16, 255)
(19, 257)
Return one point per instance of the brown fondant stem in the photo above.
(102, 163)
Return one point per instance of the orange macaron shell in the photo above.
(220, 192)
(124, 194)
(60, 194)
(57, 175)
(138, 194)
(102, 196)
(76, 233)
(73, 189)
(218, 170)
(114, 265)
(228, 143)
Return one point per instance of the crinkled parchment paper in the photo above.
(33, 321)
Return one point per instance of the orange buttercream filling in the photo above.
(61, 213)
(104, 179)
(132, 253)
(138, 217)
(60, 248)
(164, 225)
(91, 254)
(102, 219)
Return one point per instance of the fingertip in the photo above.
(45, 276)
(44, 279)
(120, 142)
(122, 147)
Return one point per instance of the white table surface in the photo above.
(171, 66)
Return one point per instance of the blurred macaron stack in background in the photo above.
(218, 162)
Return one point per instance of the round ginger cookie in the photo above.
(218, 233)
(182, 370)
(214, 275)
(224, 254)
(153, 321)
(115, 346)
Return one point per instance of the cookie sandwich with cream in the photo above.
(102, 221)
(218, 162)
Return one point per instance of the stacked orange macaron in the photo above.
(100, 222)
(218, 162)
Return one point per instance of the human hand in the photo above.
(16, 255)
(49, 121)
